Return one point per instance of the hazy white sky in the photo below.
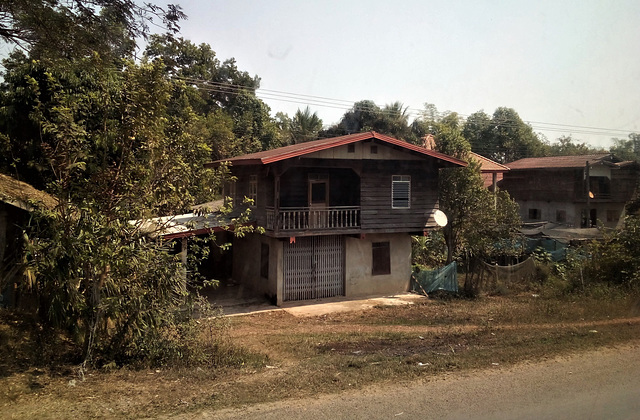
(561, 62)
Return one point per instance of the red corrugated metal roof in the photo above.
(295, 150)
(558, 161)
(487, 165)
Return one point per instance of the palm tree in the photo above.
(305, 125)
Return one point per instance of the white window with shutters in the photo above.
(401, 191)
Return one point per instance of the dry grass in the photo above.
(287, 357)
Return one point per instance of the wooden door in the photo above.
(318, 201)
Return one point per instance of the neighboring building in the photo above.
(492, 172)
(17, 200)
(577, 191)
(338, 215)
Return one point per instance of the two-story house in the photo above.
(338, 213)
(576, 191)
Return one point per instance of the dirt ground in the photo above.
(600, 384)
(283, 356)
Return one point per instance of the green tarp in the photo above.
(445, 278)
(557, 249)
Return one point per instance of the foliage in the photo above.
(429, 250)
(58, 29)
(628, 149)
(504, 137)
(365, 115)
(305, 126)
(480, 225)
(616, 259)
(99, 279)
(105, 143)
(236, 121)
(478, 220)
(565, 146)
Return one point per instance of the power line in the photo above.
(322, 101)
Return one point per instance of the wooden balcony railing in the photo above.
(305, 218)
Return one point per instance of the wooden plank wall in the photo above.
(376, 211)
(535, 185)
(565, 185)
(624, 182)
(344, 186)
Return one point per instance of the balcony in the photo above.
(292, 219)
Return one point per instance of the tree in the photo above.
(477, 132)
(565, 146)
(616, 258)
(209, 86)
(365, 115)
(58, 29)
(476, 229)
(305, 126)
(627, 149)
(504, 138)
(103, 142)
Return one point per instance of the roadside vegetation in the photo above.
(274, 355)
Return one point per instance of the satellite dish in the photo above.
(441, 218)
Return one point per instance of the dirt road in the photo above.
(594, 385)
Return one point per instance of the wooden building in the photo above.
(577, 191)
(338, 215)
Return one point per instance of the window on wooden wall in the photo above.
(264, 261)
(561, 216)
(400, 191)
(380, 258)
(253, 188)
(229, 191)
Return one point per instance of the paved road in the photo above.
(595, 385)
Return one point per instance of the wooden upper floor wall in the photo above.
(360, 176)
(569, 185)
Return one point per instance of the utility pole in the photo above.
(586, 175)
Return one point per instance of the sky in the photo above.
(562, 65)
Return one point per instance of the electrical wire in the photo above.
(404, 113)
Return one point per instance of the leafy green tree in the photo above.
(305, 126)
(367, 116)
(210, 86)
(476, 229)
(628, 149)
(476, 130)
(57, 29)
(103, 142)
(504, 138)
(616, 259)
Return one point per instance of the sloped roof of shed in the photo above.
(22, 195)
(561, 161)
(282, 153)
(487, 165)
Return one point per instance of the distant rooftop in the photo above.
(487, 165)
(578, 161)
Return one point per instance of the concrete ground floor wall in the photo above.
(359, 280)
(571, 214)
(258, 265)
